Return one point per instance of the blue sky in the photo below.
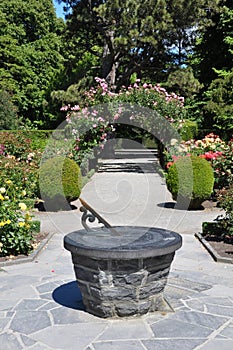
(59, 8)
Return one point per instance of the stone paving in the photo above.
(41, 306)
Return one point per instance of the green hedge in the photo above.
(38, 138)
(190, 179)
(60, 182)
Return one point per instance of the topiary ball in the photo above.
(190, 180)
(60, 183)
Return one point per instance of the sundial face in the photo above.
(131, 241)
(120, 238)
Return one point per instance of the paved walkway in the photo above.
(40, 304)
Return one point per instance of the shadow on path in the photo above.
(69, 295)
(167, 205)
(179, 206)
(140, 168)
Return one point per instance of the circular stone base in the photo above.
(123, 275)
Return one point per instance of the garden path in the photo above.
(40, 304)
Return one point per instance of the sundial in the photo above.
(121, 270)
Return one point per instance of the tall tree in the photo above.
(121, 32)
(30, 55)
(212, 50)
(134, 36)
(218, 110)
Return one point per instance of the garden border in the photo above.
(212, 251)
(31, 257)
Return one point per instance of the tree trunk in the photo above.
(109, 65)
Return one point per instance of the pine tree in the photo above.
(134, 36)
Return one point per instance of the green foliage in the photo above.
(183, 82)
(189, 130)
(60, 182)
(212, 63)
(16, 144)
(8, 112)
(223, 167)
(36, 139)
(225, 201)
(16, 224)
(19, 143)
(187, 17)
(212, 228)
(39, 138)
(36, 226)
(24, 175)
(138, 37)
(219, 105)
(77, 75)
(30, 51)
(19, 161)
(190, 179)
(212, 49)
(211, 148)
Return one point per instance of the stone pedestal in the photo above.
(122, 275)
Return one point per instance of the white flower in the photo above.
(23, 206)
(2, 190)
(174, 142)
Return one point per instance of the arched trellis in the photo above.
(131, 116)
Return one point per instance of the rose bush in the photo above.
(88, 130)
(223, 167)
(210, 147)
(99, 111)
(19, 162)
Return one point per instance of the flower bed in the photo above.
(16, 224)
(19, 162)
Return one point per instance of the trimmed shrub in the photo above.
(190, 180)
(60, 183)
